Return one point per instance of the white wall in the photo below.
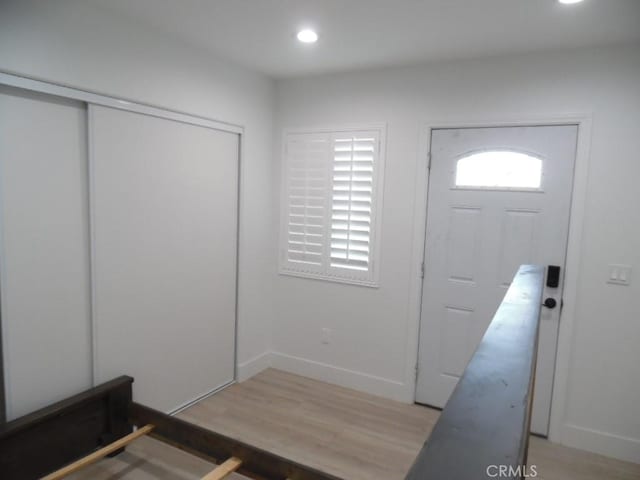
(374, 330)
(71, 42)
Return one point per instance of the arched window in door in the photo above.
(499, 169)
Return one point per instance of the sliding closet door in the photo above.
(44, 251)
(164, 220)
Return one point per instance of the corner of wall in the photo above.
(254, 366)
(603, 443)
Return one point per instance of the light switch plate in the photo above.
(619, 274)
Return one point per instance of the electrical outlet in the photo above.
(619, 274)
(326, 336)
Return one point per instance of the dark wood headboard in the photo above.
(47, 439)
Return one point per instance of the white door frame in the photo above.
(574, 247)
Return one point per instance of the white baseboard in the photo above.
(622, 448)
(252, 367)
(340, 376)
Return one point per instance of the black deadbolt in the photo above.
(550, 303)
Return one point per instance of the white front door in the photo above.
(498, 198)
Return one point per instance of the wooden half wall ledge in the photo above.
(487, 419)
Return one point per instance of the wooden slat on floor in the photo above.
(150, 459)
(224, 469)
(98, 454)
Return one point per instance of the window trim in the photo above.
(328, 273)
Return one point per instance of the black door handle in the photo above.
(550, 303)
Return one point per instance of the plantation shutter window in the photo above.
(331, 181)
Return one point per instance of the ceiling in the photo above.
(356, 34)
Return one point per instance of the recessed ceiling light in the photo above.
(569, 2)
(307, 36)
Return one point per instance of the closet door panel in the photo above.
(164, 219)
(44, 255)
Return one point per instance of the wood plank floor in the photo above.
(347, 433)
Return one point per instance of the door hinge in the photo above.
(422, 270)
(417, 370)
(429, 161)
